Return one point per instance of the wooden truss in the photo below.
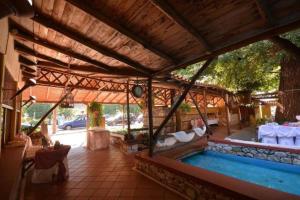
(162, 95)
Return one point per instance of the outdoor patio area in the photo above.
(104, 174)
(149, 99)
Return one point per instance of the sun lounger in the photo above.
(182, 136)
(200, 131)
(170, 141)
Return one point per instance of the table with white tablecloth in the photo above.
(279, 134)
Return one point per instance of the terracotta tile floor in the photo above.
(105, 174)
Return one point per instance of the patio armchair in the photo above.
(51, 164)
(30, 151)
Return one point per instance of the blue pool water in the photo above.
(279, 176)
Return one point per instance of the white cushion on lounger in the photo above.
(200, 131)
(167, 142)
(182, 136)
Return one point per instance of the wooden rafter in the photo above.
(120, 28)
(36, 40)
(52, 24)
(86, 96)
(241, 40)
(54, 63)
(264, 11)
(107, 96)
(166, 8)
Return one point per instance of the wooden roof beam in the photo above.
(51, 62)
(120, 28)
(239, 41)
(23, 36)
(177, 18)
(78, 37)
(265, 12)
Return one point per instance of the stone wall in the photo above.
(186, 186)
(265, 153)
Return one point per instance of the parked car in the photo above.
(118, 119)
(79, 122)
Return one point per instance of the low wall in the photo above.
(186, 186)
(198, 184)
(283, 155)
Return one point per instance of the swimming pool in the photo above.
(279, 176)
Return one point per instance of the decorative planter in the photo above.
(98, 138)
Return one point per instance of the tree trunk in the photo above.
(289, 86)
(289, 90)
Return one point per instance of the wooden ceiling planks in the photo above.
(224, 24)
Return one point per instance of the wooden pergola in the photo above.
(115, 41)
(51, 83)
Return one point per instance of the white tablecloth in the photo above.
(278, 130)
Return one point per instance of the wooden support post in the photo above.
(150, 116)
(227, 114)
(123, 115)
(172, 94)
(128, 108)
(2, 72)
(13, 117)
(54, 121)
(51, 109)
(180, 100)
(205, 102)
(240, 117)
(200, 114)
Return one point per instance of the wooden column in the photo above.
(200, 114)
(240, 117)
(54, 121)
(128, 109)
(173, 93)
(2, 72)
(87, 125)
(13, 117)
(205, 102)
(123, 116)
(150, 116)
(227, 112)
(180, 100)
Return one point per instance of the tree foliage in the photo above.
(67, 113)
(255, 67)
(37, 110)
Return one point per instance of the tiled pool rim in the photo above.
(193, 182)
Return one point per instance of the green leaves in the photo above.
(255, 67)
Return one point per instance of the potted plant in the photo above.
(95, 113)
(185, 107)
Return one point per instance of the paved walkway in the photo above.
(105, 174)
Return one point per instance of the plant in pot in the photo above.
(185, 107)
(95, 113)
